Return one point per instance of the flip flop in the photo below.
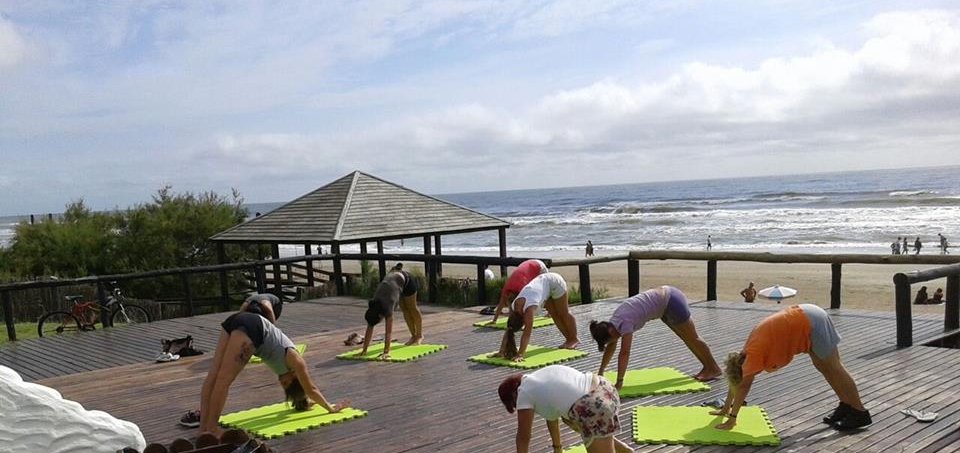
(921, 416)
(488, 310)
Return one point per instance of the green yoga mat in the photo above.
(300, 348)
(656, 381)
(398, 352)
(695, 426)
(576, 449)
(535, 357)
(540, 321)
(278, 420)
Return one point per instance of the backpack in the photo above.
(180, 346)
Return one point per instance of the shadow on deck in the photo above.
(443, 403)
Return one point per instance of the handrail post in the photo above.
(277, 278)
(337, 268)
(381, 261)
(835, 275)
(951, 314)
(903, 308)
(102, 297)
(8, 316)
(261, 278)
(308, 252)
(481, 284)
(633, 277)
(432, 280)
(586, 294)
(222, 275)
(187, 293)
(712, 280)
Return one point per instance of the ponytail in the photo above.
(514, 323)
(733, 367)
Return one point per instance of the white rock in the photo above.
(35, 418)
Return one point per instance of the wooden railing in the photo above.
(951, 313)
(292, 266)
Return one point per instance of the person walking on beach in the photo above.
(917, 245)
(669, 305)
(905, 249)
(943, 244)
(798, 329)
(749, 293)
(523, 274)
(895, 247)
(589, 251)
(244, 335)
(586, 402)
(549, 291)
(709, 243)
(397, 288)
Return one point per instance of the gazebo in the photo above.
(358, 209)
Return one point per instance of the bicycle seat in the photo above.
(72, 298)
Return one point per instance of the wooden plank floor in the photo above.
(443, 403)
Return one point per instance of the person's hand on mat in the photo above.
(727, 425)
(339, 406)
(518, 358)
(618, 385)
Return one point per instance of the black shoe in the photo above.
(854, 420)
(838, 414)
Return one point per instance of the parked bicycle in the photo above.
(84, 316)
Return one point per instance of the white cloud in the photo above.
(13, 46)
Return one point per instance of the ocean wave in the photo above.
(904, 201)
(911, 193)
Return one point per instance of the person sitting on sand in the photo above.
(587, 403)
(797, 329)
(526, 271)
(266, 305)
(245, 334)
(550, 291)
(668, 304)
(921, 296)
(397, 288)
(749, 293)
(937, 296)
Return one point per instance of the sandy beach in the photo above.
(864, 286)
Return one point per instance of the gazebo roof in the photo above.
(359, 207)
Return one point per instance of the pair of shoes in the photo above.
(488, 310)
(854, 420)
(838, 414)
(352, 339)
(167, 357)
(190, 419)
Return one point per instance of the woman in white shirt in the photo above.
(587, 403)
(547, 290)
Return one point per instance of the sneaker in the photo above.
(838, 414)
(854, 420)
(190, 419)
(167, 357)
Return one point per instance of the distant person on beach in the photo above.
(589, 248)
(244, 335)
(943, 244)
(587, 403)
(895, 247)
(917, 245)
(549, 291)
(397, 288)
(523, 274)
(665, 303)
(922, 296)
(798, 329)
(488, 274)
(905, 249)
(709, 243)
(937, 296)
(749, 293)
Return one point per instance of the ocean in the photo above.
(846, 212)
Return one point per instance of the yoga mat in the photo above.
(576, 449)
(300, 348)
(278, 420)
(535, 357)
(540, 321)
(695, 426)
(655, 381)
(398, 352)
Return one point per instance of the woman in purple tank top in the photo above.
(668, 304)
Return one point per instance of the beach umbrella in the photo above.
(777, 293)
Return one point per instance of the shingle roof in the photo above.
(359, 207)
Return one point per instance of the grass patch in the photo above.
(24, 330)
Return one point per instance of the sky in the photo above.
(109, 101)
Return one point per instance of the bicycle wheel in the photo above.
(129, 314)
(57, 322)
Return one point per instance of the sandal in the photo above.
(352, 339)
(921, 416)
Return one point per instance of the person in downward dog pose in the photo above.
(523, 274)
(549, 291)
(667, 303)
(397, 288)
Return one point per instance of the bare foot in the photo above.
(414, 341)
(708, 375)
(570, 344)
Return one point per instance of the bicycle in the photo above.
(83, 316)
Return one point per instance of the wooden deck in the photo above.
(444, 403)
